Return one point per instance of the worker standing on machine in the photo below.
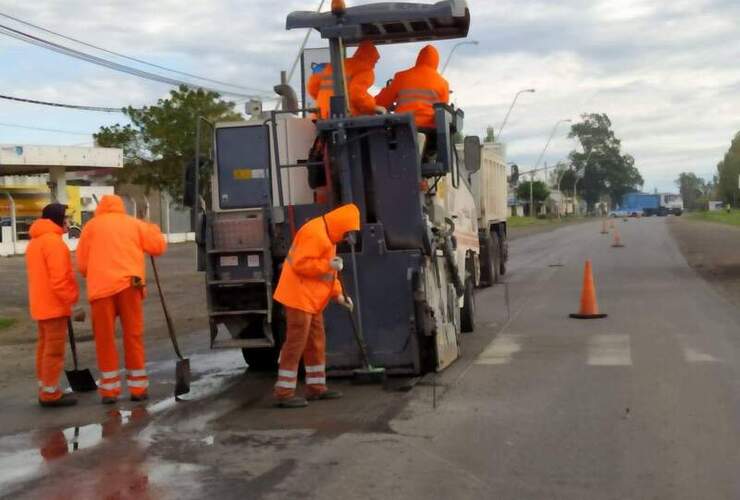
(307, 282)
(359, 74)
(110, 255)
(416, 90)
(52, 291)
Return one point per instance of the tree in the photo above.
(539, 192)
(603, 167)
(490, 135)
(728, 171)
(692, 190)
(161, 139)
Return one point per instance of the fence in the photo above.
(174, 220)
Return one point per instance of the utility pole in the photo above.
(449, 57)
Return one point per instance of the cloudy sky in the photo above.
(666, 73)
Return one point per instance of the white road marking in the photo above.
(611, 349)
(694, 356)
(500, 350)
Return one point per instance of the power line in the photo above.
(124, 56)
(59, 105)
(55, 130)
(40, 42)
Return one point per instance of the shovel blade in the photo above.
(81, 380)
(182, 377)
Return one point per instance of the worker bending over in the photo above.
(111, 256)
(52, 291)
(359, 75)
(416, 91)
(307, 282)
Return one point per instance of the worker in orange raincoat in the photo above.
(307, 282)
(416, 90)
(52, 291)
(359, 74)
(110, 255)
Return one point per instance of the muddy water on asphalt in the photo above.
(124, 436)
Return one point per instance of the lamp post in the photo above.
(449, 56)
(506, 118)
(544, 150)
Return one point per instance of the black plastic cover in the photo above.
(389, 22)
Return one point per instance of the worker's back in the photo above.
(112, 246)
(359, 74)
(417, 89)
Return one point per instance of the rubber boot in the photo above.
(65, 400)
(294, 402)
(325, 395)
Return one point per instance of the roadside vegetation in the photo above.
(517, 222)
(721, 216)
(6, 322)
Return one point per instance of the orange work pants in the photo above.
(304, 338)
(50, 357)
(127, 305)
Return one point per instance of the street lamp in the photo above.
(544, 150)
(506, 118)
(449, 57)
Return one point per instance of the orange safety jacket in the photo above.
(307, 281)
(359, 75)
(112, 246)
(417, 89)
(52, 287)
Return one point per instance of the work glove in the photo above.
(78, 315)
(337, 264)
(346, 302)
(380, 110)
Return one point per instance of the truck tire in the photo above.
(487, 272)
(467, 313)
(496, 256)
(504, 256)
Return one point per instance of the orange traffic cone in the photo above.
(589, 306)
(603, 227)
(617, 240)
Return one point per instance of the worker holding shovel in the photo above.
(52, 291)
(110, 255)
(307, 282)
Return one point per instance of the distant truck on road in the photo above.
(637, 204)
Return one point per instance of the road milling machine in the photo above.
(418, 250)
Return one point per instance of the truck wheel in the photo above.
(504, 257)
(486, 262)
(496, 259)
(467, 313)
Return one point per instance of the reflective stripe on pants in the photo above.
(304, 338)
(50, 357)
(127, 305)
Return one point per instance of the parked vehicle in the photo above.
(427, 239)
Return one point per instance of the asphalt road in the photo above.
(640, 405)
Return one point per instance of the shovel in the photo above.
(79, 380)
(182, 368)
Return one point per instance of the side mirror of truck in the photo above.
(472, 150)
(189, 196)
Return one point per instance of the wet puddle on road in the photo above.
(28, 456)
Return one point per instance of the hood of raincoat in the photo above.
(367, 53)
(41, 227)
(429, 57)
(341, 221)
(110, 203)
